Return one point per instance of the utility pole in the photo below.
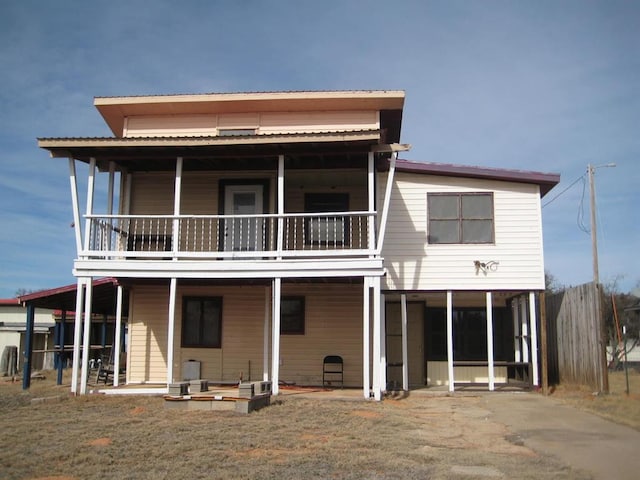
(597, 307)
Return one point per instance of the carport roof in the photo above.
(64, 298)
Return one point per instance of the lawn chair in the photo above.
(332, 370)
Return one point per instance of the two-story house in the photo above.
(257, 233)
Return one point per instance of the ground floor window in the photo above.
(469, 334)
(202, 322)
(292, 316)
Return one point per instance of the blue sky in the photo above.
(547, 85)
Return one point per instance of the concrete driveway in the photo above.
(579, 439)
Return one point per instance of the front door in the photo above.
(243, 234)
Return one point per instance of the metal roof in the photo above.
(64, 298)
(546, 181)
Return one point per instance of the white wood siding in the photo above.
(152, 193)
(333, 326)
(148, 322)
(264, 123)
(413, 264)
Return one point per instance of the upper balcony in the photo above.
(230, 237)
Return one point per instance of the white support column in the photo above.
(86, 346)
(405, 350)
(176, 208)
(77, 335)
(265, 343)
(490, 367)
(90, 189)
(371, 185)
(387, 202)
(383, 343)
(116, 337)
(515, 312)
(534, 338)
(524, 328)
(450, 340)
(275, 336)
(173, 287)
(366, 338)
(377, 374)
(75, 206)
(280, 237)
(112, 173)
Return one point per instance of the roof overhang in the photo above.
(546, 181)
(64, 298)
(160, 153)
(115, 109)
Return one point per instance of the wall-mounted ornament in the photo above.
(485, 267)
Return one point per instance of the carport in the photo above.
(105, 296)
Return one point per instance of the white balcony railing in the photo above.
(230, 236)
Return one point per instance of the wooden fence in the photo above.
(576, 345)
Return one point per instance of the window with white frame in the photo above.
(456, 218)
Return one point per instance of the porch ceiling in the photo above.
(199, 153)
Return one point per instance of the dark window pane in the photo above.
(477, 206)
(477, 231)
(292, 315)
(444, 231)
(202, 322)
(443, 206)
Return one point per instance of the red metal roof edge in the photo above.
(546, 181)
(67, 288)
(9, 301)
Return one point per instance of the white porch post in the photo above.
(534, 338)
(275, 336)
(377, 365)
(75, 206)
(265, 339)
(405, 351)
(175, 238)
(116, 337)
(387, 202)
(86, 347)
(515, 312)
(77, 334)
(112, 173)
(450, 340)
(383, 343)
(90, 189)
(366, 357)
(491, 371)
(524, 329)
(371, 185)
(280, 238)
(171, 328)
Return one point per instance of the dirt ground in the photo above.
(48, 434)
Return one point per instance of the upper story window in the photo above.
(460, 218)
(326, 229)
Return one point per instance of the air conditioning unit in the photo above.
(191, 370)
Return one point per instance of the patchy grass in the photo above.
(138, 438)
(616, 405)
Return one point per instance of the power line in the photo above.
(581, 177)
